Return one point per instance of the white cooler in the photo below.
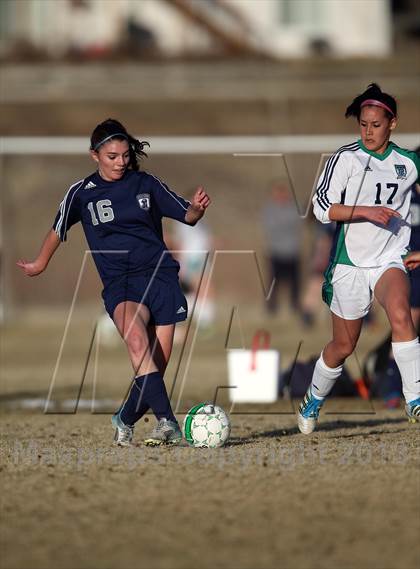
(253, 374)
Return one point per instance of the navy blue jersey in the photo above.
(415, 220)
(122, 221)
(415, 246)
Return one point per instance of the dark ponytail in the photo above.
(112, 129)
(376, 97)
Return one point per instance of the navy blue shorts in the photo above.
(415, 288)
(160, 292)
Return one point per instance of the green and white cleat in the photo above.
(166, 432)
(413, 411)
(308, 413)
(123, 433)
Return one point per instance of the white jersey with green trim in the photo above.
(355, 176)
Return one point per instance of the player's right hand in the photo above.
(381, 214)
(31, 269)
(412, 261)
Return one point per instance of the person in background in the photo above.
(193, 247)
(320, 254)
(282, 229)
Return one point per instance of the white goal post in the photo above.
(226, 144)
(261, 145)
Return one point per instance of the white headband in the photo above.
(122, 134)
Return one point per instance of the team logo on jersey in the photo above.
(144, 201)
(401, 171)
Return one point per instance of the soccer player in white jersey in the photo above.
(366, 188)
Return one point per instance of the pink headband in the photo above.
(376, 103)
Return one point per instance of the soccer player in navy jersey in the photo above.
(121, 210)
(415, 246)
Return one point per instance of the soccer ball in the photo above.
(206, 425)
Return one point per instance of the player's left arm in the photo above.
(176, 207)
(197, 208)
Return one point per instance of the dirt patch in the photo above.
(345, 497)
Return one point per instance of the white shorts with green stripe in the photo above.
(349, 290)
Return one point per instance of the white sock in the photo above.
(323, 378)
(407, 358)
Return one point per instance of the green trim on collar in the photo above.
(375, 154)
